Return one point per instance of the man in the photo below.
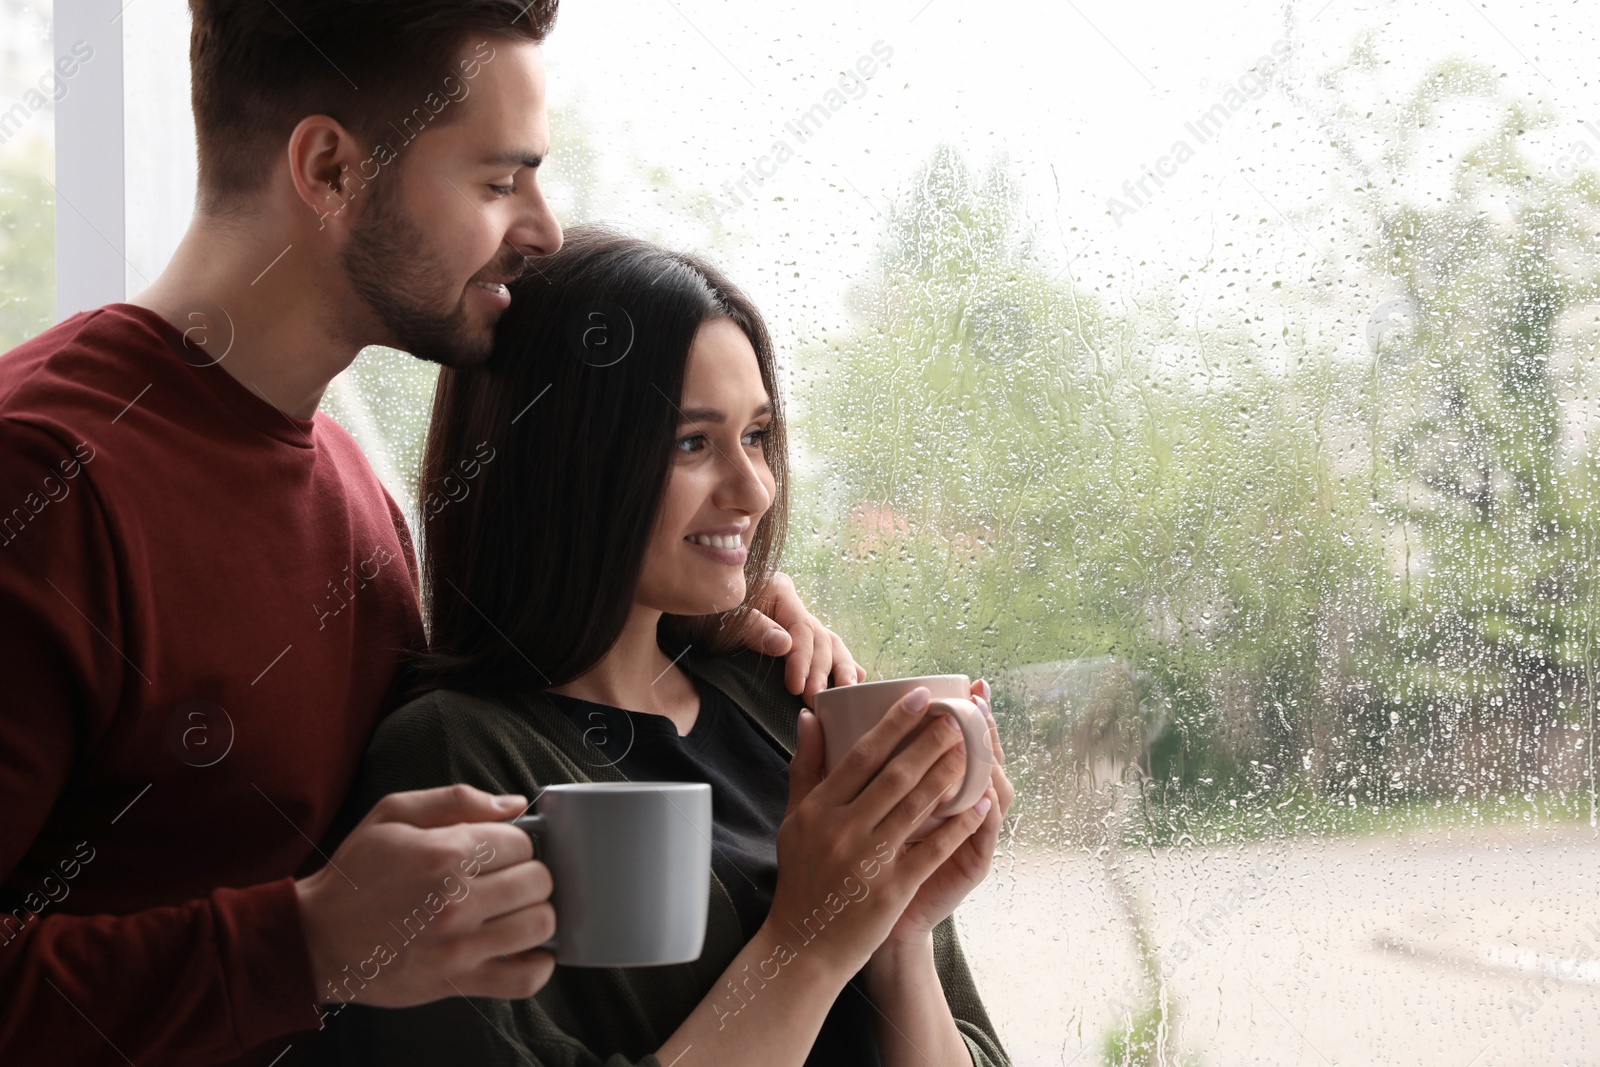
(206, 595)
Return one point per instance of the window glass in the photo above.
(1218, 380)
(27, 165)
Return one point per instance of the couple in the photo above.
(657, 482)
(188, 705)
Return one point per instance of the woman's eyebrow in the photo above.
(713, 415)
(515, 158)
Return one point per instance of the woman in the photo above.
(611, 497)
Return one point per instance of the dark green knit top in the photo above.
(584, 1017)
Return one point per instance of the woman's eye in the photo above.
(692, 443)
(755, 437)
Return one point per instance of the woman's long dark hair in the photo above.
(544, 470)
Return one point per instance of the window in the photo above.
(1221, 383)
(27, 255)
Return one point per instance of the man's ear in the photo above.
(322, 165)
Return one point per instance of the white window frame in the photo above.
(125, 156)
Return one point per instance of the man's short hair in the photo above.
(260, 66)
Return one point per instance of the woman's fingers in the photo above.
(805, 768)
(935, 788)
(914, 778)
(985, 705)
(927, 855)
(976, 856)
(987, 836)
(1005, 792)
(867, 756)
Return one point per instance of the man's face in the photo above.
(458, 211)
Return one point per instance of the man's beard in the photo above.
(391, 267)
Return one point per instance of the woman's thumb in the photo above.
(805, 769)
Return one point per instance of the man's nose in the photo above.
(537, 232)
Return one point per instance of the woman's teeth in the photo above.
(717, 541)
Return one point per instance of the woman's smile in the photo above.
(723, 545)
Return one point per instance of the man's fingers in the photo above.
(845, 671)
(788, 614)
(514, 978)
(508, 890)
(446, 806)
(521, 930)
(765, 636)
(797, 664)
(497, 845)
(812, 651)
(821, 663)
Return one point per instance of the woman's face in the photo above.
(719, 485)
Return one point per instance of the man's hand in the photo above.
(432, 895)
(783, 627)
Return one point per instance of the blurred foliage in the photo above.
(1218, 570)
(27, 246)
(1327, 582)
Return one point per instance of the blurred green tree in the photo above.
(27, 247)
(1479, 412)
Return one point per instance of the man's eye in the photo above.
(503, 190)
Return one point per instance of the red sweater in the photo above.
(204, 604)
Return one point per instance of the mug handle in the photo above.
(975, 731)
(533, 826)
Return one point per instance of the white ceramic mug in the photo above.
(850, 711)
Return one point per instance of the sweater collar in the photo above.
(753, 682)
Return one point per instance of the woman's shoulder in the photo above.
(445, 719)
(445, 737)
(756, 683)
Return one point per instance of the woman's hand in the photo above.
(783, 627)
(957, 876)
(844, 875)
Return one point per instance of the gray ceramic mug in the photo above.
(630, 864)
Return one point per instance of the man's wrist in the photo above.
(305, 890)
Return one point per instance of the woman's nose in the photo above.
(743, 488)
